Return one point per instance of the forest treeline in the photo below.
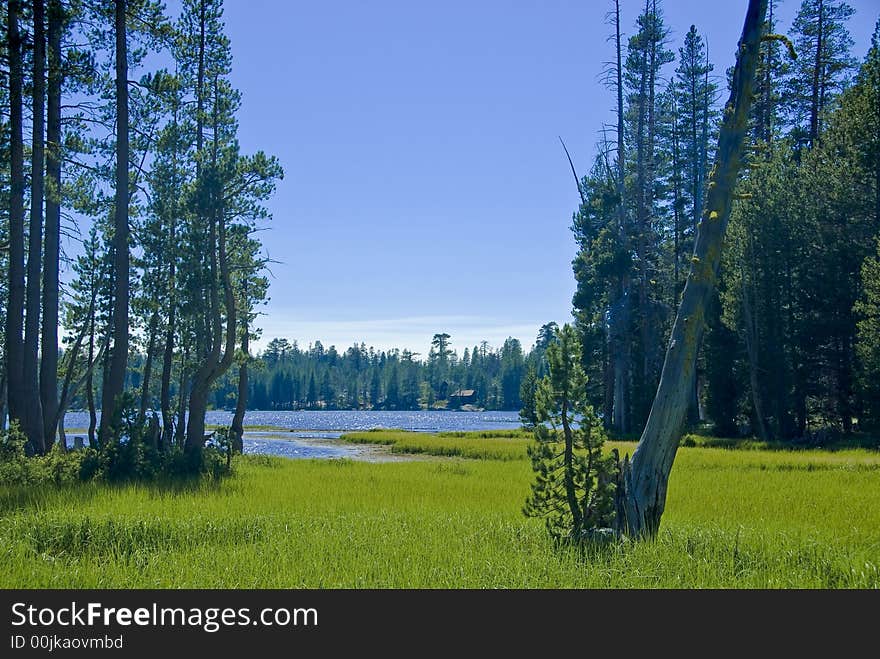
(793, 334)
(119, 131)
(286, 376)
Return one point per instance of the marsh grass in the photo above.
(804, 519)
(481, 446)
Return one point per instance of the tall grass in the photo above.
(734, 519)
(479, 446)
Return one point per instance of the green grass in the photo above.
(852, 441)
(463, 445)
(734, 519)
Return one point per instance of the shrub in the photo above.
(130, 453)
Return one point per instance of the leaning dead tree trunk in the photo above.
(643, 482)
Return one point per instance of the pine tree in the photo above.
(868, 345)
(823, 66)
(574, 481)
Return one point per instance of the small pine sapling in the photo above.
(574, 482)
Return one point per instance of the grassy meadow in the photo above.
(735, 518)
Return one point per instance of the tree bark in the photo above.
(32, 419)
(51, 250)
(214, 364)
(119, 355)
(180, 431)
(90, 386)
(3, 398)
(165, 392)
(619, 318)
(57, 420)
(646, 478)
(69, 392)
(751, 336)
(817, 69)
(66, 392)
(148, 368)
(647, 327)
(168, 355)
(15, 301)
(570, 493)
(237, 426)
(676, 206)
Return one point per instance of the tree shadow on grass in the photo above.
(43, 496)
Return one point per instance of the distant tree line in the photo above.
(285, 376)
(792, 336)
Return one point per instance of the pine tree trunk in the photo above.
(568, 461)
(180, 430)
(676, 207)
(620, 361)
(646, 335)
(619, 321)
(57, 420)
(119, 355)
(168, 353)
(641, 215)
(69, 392)
(751, 336)
(645, 479)
(32, 419)
(221, 355)
(704, 137)
(241, 403)
(165, 391)
(3, 398)
(90, 385)
(148, 368)
(15, 301)
(815, 99)
(51, 255)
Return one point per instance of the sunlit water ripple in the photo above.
(326, 426)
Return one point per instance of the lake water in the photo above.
(311, 433)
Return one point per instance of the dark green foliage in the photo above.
(795, 271)
(574, 482)
(823, 66)
(782, 357)
(528, 393)
(868, 347)
(287, 376)
(128, 455)
(722, 350)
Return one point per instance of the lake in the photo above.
(313, 433)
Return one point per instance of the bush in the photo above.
(57, 466)
(131, 453)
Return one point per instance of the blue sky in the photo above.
(425, 188)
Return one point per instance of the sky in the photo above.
(425, 188)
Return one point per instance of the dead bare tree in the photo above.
(643, 482)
